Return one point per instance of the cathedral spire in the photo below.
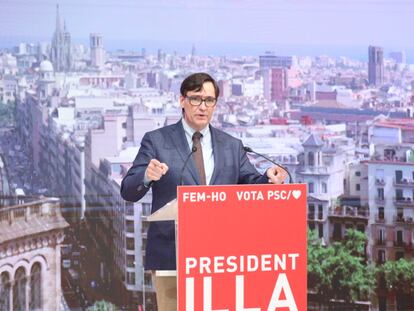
(58, 23)
(60, 52)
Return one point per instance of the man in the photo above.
(216, 158)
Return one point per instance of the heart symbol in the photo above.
(296, 193)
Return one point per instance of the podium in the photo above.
(168, 212)
(240, 247)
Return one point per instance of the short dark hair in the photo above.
(195, 81)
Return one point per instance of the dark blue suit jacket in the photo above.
(169, 145)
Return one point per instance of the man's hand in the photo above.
(276, 174)
(155, 170)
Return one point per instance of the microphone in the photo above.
(250, 150)
(193, 149)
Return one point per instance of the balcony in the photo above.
(398, 219)
(403, 220)
(399, 244)
(389, 159)
(379, 218)
(380, 242)
(380, 200)
(349, 212)
(402, 201)
(315, 216)
(404, 183)
(314, 170)
(408, 246)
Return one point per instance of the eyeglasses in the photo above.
(197, 100)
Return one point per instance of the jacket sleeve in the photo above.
(132, 186)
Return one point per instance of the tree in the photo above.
(399, 276)
(339, 271)
(319, 281)
(103, 306)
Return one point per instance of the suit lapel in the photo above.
(178, 138)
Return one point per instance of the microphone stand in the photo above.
(250, 150)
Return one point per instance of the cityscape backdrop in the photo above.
(325, 88)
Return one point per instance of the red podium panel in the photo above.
(242, 248)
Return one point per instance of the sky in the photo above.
(295, 27)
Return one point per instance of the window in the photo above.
(361, 228)
(337, 231)
(389, 154)
(311, 211)
(130, 243)
(311, 187)
(146, 209)
(400, 214)
(380, 192)
(131, 278)
(324, 187)
(129, 210)
(358, 187)
(381, 236)
(399, 255)
(19, 290)
(130, 261)
(379, 174)
(130, 226)
(399, 194)
(380, 213)
(381, 256)
(147, 279)
(320, 227)
(311, 159)
(36, 287)
(398, 176)
(4, 291)
(358, 173)
(399, 238)
(320, 212)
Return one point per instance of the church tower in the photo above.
(60, 53)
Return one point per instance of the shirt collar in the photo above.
(190, 131)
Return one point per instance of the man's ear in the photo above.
(182, 99)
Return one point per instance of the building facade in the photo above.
(375, 65)
(30, 236)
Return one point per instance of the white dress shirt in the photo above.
(206, 145)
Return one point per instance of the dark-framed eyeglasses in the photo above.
(197, 100)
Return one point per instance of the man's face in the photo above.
(198, 117)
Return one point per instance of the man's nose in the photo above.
(203, 105)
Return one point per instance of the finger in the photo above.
(154, 176)
(154, 170)
(150, 174)
(164, 168)
(273, 180)
(155, 162)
